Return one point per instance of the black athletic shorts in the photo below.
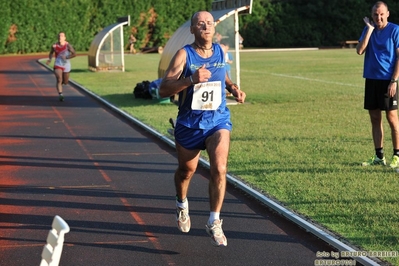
(376, 95)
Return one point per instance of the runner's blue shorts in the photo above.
(194, 139)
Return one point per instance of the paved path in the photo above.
(113, 184)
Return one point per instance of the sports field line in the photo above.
(276, 50)
(302, 78)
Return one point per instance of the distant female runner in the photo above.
(62, 66)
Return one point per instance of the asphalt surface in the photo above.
(112, 182)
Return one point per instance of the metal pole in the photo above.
(237, 47)
(122, 48)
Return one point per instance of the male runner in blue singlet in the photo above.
(197, 73)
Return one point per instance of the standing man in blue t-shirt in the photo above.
(380, 43)
(197, 73)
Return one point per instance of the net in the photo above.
(110, 55)
(224, 34)
(107, 50)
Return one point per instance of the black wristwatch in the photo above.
(394, 81)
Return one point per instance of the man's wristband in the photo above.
(394, 81)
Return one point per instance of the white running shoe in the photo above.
(216, 232)
(183, 220)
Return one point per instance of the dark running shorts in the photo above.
(194, 139)
(376, 96)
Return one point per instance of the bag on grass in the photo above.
(142, 90)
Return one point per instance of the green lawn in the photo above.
(300, 138)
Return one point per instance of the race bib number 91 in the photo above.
(207, 96)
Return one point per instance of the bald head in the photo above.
(194, 17)
(379, 4)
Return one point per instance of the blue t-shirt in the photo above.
(380, 56)
(199, 119)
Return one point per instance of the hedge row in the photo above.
(30, 26)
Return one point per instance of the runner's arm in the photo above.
(72, 52)
(172, 83)
(233, 88)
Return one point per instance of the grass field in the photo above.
(300, 138)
